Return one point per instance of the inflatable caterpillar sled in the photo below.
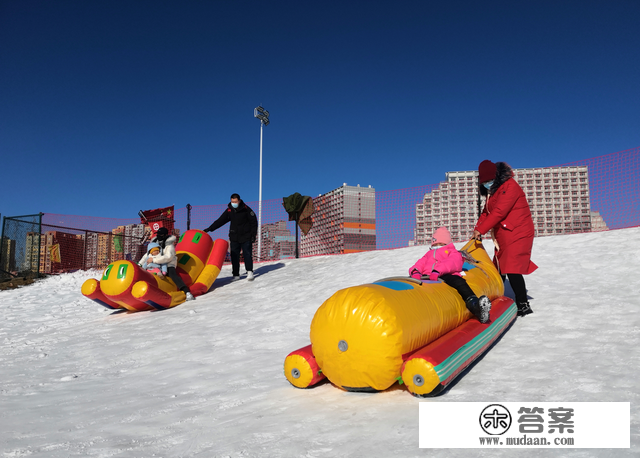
(125, 285)
(420, 333)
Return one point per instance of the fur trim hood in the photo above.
(170, 241)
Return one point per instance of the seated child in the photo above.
(445, 262)
(153, 250)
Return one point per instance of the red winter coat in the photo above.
(508, 213)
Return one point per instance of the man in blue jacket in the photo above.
(242, 233)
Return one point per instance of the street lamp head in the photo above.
(262, 115)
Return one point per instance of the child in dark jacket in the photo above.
(445, 262)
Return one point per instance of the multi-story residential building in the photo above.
(597, 222)
(117, 243)
(8, 251)
(46, 242)
(133, 248)
(558, 198)
(126, 242)
(32, 252)
(453, 204)
(61, 252)
(344, 221)
(277, 242)
(97, 250)
(103, 256)
(91, 250)
(86, 250)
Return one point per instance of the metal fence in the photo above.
(20, 249)
(31, 247)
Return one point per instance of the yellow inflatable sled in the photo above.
(420, 333)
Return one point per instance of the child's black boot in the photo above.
(472, 305)
(485, 309)
(479, 307)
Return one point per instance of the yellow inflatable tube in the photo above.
(360, 334)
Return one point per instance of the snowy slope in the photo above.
(206, 378)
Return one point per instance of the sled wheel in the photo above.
(298, 371)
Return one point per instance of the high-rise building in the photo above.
(453, 204)
(32, 252)
(558, 198)
(344, 221)
(91, 250)
(96, 250)
(117, 243)
(133, 248)
(103, 256)
(8, 251)
(46, 242)
(61, 252)
(126, 242)
(277, 242)
(597, 222)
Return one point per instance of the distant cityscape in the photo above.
(344, 221)
(558, 198)
(345, 218)
(58, 251)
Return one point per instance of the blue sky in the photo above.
(108, 107)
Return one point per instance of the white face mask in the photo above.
(234, 204)
(488, 184)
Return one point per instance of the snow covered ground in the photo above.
(205, 379)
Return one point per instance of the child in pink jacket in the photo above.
(445, 262)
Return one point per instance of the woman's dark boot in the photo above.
(524, 308)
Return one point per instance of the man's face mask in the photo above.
(161, 235)
(234, 204)
(488, 184)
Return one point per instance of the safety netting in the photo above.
(614, 186)
(600, 193)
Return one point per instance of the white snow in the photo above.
(205, 379)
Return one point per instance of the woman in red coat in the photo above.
(507, 212)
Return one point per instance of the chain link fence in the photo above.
(20, 249)
(32, 248)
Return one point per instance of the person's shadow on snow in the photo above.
(260, 271)
(266, 269)
(225, 281)
(508, 291)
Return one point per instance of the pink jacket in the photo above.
(444, 260)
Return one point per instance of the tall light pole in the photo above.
(263, 116)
